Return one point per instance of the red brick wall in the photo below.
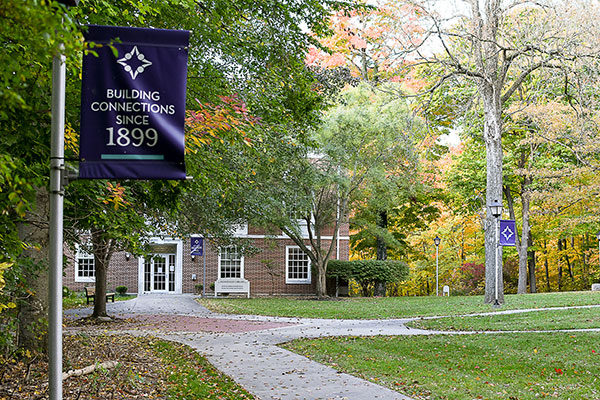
(123, 272)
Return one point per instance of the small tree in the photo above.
(369, 273)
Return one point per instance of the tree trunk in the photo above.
(493, 272)
(321, 278)
(521, 242)
(33, 311)
(382, 222)
(567, 259)
(531, 265)
(546, 266)
(568, 263)
(102, 252)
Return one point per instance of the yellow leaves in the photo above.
(3, 267)
(116, 196)
(71, 139)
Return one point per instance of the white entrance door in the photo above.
(159, 273)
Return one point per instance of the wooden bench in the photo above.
(90, 293)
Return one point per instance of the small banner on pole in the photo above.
(133, 103)
(197, 246)
(508, 233)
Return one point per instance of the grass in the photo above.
(148, 368)
(77, 299)
(192, 377)
(393, 307)
(479, 366)
(578, 318)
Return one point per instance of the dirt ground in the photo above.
(140, 373)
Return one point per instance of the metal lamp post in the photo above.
(437, 241)
(496, 210)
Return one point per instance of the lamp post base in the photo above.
(496, 304)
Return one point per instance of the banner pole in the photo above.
(57, 166)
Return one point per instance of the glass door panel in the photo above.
(160, 273)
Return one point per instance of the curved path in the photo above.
(246, 347)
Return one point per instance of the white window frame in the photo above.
(296, 281)
(219, 277)
(83, 255)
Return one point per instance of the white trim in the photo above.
(241, 263)
(289, 281)
(178, 266)
(82, 254)
(287, 237)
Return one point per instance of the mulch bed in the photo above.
(177, 323)
(140, 373)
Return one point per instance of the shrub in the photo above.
(66, 291)
(122, 290)
(369, 273)
(199, 288)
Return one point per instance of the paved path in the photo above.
(249, 353)
(254, 360)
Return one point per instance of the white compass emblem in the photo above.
(134, 62)
(507, 233)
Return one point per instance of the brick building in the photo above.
(280, 268)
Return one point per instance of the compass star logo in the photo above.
(134, 62)
(507, 233)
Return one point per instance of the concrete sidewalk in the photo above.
(255, 361)
(158, 304)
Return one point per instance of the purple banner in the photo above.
(133, 103)
(197, 246)
(508, 233)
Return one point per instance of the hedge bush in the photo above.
(369, 273)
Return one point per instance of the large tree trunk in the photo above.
(33, 311)
(492, 133)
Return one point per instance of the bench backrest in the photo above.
(90, 291)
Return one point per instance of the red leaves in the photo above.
(558, 371)
(229, 121)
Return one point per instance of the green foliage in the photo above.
(122, 290)
(368, 273)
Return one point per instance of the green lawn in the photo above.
(393, 307)
(193, 377)
(77, 299)
(577, 318)
(479, 366)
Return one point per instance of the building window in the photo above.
(85, 270)
(231, 263)
(297, 265)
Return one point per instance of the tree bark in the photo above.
(559, 265)
(531, 265)
(102, 248)
(382, 222)
(33, 311)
